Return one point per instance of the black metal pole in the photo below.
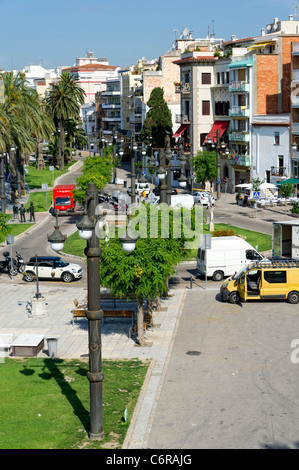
(2, 185)
(133, 174)
(94, 315)
(218, 163)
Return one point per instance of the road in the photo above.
(230, 382)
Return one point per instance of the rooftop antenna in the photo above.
(175, 32)
(208, 31)
(295, 10)
(213, 34)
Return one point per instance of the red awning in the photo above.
(180, 130)
(221, 125)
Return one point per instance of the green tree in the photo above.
(22, 121)
(204, 166)
(96, 170)
(158, 122)
(4, 218)
(286, 190)
(62, 103)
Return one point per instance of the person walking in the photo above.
(31, 211)
(22, 213)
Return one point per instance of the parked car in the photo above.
(156, 191)
(51, 267)
(203, 197)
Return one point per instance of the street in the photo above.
(230, 382)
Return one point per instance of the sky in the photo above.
(55, 33)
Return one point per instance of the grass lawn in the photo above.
(15, 229)
(50, 405)
(35, 178)
(41, 200)
(260, 241)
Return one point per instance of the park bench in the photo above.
(115, 313)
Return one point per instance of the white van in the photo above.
(183, 200)
(226, 256)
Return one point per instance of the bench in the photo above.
(130, 313)
(5, 342)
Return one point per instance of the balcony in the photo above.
(182, 119)
(111, 119)
(239, 87)
(111, 106)
(239, 136)
(182, 88)
(278, 171)
(240, 160)
(239, 111)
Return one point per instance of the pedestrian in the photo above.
(22, 213)
(31, 211)
(15, 211)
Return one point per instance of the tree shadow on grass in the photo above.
(51, 370)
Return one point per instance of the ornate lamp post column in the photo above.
(2, 184)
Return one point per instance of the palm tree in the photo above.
(24, 118)
(63, 103)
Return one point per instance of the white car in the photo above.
(203, 198)
(51, 267)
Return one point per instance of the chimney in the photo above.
(263, 32)
(290, 17)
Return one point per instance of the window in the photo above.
(206, 78)
(276, 138)
(275, 277)
(227, 77)
(218, 78)
(205, 108)
(202, 139)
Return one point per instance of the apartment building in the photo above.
(92, 73)
(244, 89)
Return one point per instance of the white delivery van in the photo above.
(226, 256)
(182, 200)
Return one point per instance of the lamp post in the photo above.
(2, 184)
(133, 174)
(86, 226)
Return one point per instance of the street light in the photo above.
(2, 184)
(86, 226)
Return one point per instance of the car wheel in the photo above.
(29, 276)
(67, 277)
(218, 276)
(234, 298)
(293, 297)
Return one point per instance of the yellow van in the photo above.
(267, 280)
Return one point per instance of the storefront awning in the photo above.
(290, 180)
(221, 125)
(261, 45)
(180, 130)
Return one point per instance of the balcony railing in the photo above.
(238, 111)
(182, 88)
(182, 118)
(240, 160)
(239, 136)
(241, 87)
(278, 171)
